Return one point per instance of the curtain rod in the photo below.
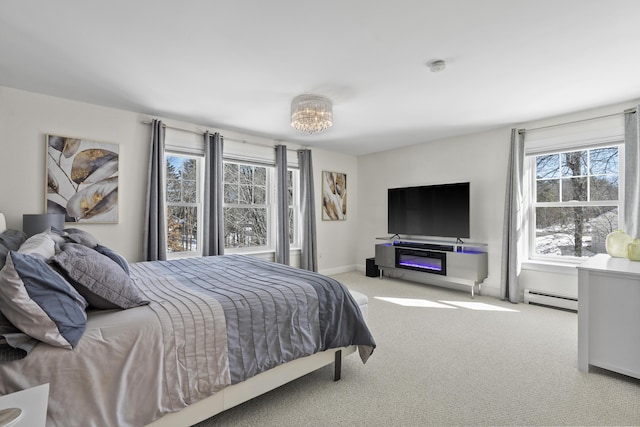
(631, 110)
(242, 141)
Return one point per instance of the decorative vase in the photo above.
(633, 250)
(617, 243)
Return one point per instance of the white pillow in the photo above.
(40, 244)
(3, 223)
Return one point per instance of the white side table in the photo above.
(33, 402)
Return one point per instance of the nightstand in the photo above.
(33, 402)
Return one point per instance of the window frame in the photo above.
(295, 207)
(530, 179)
(270, 198)
(199, 204)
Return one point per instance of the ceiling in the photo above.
(236, 65)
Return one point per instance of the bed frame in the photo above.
(266, 381)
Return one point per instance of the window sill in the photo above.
(249, 251)
(551, 267)
(267, 254)
(179, 255)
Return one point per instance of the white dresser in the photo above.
(609, 314)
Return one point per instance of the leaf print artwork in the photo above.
(82, 179)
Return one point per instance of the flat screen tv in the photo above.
(431, 210)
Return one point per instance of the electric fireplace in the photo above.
(421, 260)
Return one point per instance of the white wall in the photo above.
(480, 159)
(337, 240)
(26, 118)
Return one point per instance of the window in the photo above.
(575, 202)
(248, 199)
(249, 211)
(246, 205)
(183, 196)
(293, 177)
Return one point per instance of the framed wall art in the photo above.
(82, 179)
(334, 196)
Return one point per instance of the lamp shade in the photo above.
(37, 223)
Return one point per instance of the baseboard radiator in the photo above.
(532, 296)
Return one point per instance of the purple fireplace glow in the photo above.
(420, 260)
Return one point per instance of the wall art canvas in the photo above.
(334, 196)
(82, 179)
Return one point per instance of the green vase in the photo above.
(633, 250)
(616, 243)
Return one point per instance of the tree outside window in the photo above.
(576, 201)
(292, 188)
(183, 203)
(246, 205)
(248, 209)
(249, 214)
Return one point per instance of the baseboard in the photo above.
(337, 270)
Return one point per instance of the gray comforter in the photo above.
(212, 322)
(273, 313)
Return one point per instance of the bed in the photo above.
(164, 343)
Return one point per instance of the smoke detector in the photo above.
(437, 65)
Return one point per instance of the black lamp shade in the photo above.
(37, 223)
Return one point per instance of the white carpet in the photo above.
(450, 364)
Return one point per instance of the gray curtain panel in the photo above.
(632, 173)
(308, 250)
(513, 210)
(155, 240)
(282, 206)
(213, 215)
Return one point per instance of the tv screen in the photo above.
(431, 210)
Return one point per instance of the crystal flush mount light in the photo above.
(311, 113)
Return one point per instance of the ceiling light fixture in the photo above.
(311, 113)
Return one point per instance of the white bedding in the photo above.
(83, 381)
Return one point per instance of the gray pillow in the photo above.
(114, 256)
(100, 280)
(40, 303)
(82, 237)
(10, 240)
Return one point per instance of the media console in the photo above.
(443, 262)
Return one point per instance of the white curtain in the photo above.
(213, 215)
(155, 239)
(282, 206)
(632, 173)
(513, 216)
